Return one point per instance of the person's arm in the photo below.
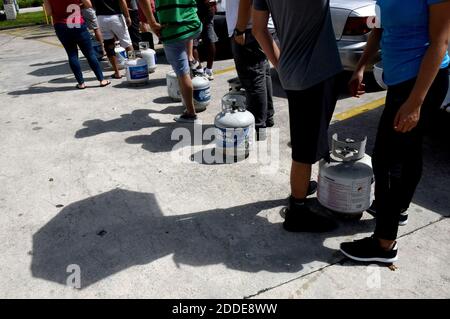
(146, 7)
(356, 85)
(439, 28)
(126, 13)
(48, 7)
(263, 36)
(244, 14)
(87, 4)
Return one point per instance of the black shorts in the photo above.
(310, 113)
(208, 34)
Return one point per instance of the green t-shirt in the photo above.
(178, 18)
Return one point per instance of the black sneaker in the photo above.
(194, 64)
(372, 210)
(369, 249)
(270, 122)
(299, 218)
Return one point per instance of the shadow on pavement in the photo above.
(113, 231)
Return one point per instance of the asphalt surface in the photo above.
(91, 179)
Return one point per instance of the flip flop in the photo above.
(114, 77)
(80, 87)
(105, 84)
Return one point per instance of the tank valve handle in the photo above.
(348, 149)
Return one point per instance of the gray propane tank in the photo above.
(202, 92)
(345, 183)
(136, 70)
(173, 88)
(149, 55)
(121, 55)
(234, 128)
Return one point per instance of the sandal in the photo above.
(103, 83)
(81, 86)
(115, 77)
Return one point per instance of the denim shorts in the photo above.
(176, 55)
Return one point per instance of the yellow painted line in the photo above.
(49, 42)
(360, 109)
(226, 70)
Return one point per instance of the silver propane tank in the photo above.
(345, 183)
(136, 70)
(121, 55)
(234, 129)
(173, 88)
(149, 55)
(202, 92)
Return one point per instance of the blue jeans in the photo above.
(71, 39)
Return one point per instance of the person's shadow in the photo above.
(113, 231)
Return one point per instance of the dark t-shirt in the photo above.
(309, 53)
(205, 12)
(107, 7)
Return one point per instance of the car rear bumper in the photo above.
(350, 53)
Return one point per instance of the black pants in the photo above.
(133, 29)
(397, 157)
(253, 70)
(310, 113)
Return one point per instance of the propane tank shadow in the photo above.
(116, 230)
(135, 121)
(150, 84)
(160, 140)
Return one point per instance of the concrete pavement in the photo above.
(90, 179)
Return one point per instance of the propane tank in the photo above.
(173, 88)
(136, 70)
(149, 55)
(234, 129)
(345, 183)
(202, 92)
(235, 92)
(121, 55)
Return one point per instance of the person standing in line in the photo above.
(90, 18)
(252, 65)
(114, 19)
(206, 12)
(73, 34)
(178, 24)
(134, 28)
(414, 37)
(308, 62)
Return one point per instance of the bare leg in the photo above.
(211, 55)
(300, 177)
(187, 91)
(190, 49)
(115, 65)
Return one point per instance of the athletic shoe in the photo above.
(209, 74)
(372, 210)
(299, 218)
(194, 64)
(186, 118)
(369, 249)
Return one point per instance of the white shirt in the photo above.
(232, 11)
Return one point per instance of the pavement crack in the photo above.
(294, 279)
(342, 260)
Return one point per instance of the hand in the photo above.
(240, 39)
(407, 117)
(128, 21)
(356, 85)
(156, 28)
